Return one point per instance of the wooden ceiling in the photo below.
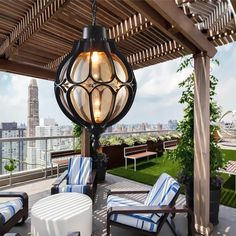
(35, 35)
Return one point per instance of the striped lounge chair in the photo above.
(149, 216)
(79, 177)
(14, 211)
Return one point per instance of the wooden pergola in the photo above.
(35, 36)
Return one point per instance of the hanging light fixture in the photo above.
(95, 85)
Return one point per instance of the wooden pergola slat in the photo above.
(27, 70)
(35, 36)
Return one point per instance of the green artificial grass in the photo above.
(149, 171)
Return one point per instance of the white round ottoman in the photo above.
(62, 214)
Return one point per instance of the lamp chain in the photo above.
(94, 11)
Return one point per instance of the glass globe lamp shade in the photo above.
(95, 86)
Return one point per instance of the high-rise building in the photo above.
(172, 124)
(47, 128)
(33, 108)
(14, 150)
(32, 119)
(109, 129)
(159, 126)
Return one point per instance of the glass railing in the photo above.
(31, 153)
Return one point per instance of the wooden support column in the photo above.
(85, 143)
(202, 143)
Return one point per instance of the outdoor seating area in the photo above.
(137, 152)
(90, 49)
(41, 190)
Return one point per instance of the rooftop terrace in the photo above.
(41, 189)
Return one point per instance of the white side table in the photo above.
(62, 214)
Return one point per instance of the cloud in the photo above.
(14, 99)
(226, 95)
(156, 99)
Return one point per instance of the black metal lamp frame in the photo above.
(94, 39)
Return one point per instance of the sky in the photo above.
(156, 99)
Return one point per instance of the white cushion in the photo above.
(79, 170)
(141, 221)
(162, 193)
(9, 209)
(74, 188)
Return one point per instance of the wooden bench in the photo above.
(137, 152)
(60, 158)
(170, 145)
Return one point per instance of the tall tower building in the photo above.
(33, 108)
(32, 121)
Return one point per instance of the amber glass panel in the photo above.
(80, 69)
(120, 68)
(121, 100)
(101, 67)
(64, 101)
(102, 103)
(80, 101)
(63, 71)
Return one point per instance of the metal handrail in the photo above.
(17, 139)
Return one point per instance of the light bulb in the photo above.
(95, 76)
(95, 57)
(97, 114)
(97, 102)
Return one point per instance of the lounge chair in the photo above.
(14, 211)
(150, 216)
(79, 177)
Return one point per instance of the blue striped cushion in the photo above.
(162, 193)
(74, 188)
(79, 170)
(141, 221)
(9, 209)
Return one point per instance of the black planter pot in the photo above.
(214, 202)
(101, 174)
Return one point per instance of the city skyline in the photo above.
(156, 99)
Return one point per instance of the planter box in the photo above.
(115, 154)
(156, 147)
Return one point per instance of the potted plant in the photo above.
(100, 164)
(184, 153)
(77, 131)
(10, 166)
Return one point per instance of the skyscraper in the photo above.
(32, 120)
(33, 108)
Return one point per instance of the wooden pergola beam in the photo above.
(122, 31)
(202, 143)
(27, 70)
(154, 53)
(133, 25)
(166, 15)
(160, 22)
(170, 11)
(234, 5)
(40, 13)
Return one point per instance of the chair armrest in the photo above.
(61, 178)
(22, 195)
(125, 210)
(146, 209)
(117, 191)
